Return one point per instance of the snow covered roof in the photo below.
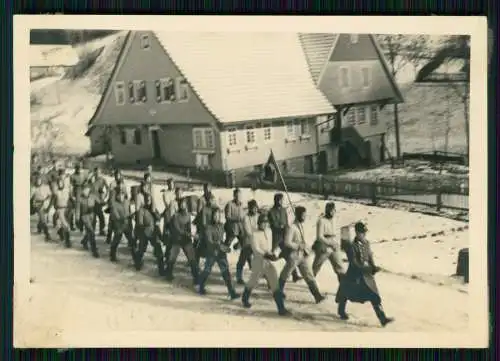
(317, 46)
(50, 55)
(243, 76)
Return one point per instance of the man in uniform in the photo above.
(40, 202)
(61, 201)
(148, 231)
(99, 190)
(170, 202)
(77, 180)
(326, 246)
(235, 214)
(278, 221)
(216, 252)
(263, 265)
(296, 255)
(120, 214)
(181, 238)
(249, 226)
(204, 218)
(88, 204)
(113, 187)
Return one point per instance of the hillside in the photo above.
(423, 120)
(62, 107)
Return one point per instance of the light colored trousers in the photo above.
(262, 267)
(334, 255)
(297, 259)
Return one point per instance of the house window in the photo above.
(267, 132)
(120, 93)
(209, 138)
(145, 44)
(374, 115)
(250, 134)
(351, 116)
(165, 90)
(137, 137)
(344, 77)
(231, 137)
(203, 161)
(361, 115)
(366, 77)
(123, 136)
(354, 38)
(290, 130)
(137, 91)
(182, 89)
(304, 128)
(198, 138)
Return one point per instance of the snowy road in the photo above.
(73, 292)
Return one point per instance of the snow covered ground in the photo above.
(79, 301)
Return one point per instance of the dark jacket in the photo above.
(146, 221)
(180, 228)
(358, 284)
(120, 213)
(87, 207)
(278, 221)
(77, 182)
(214, 236)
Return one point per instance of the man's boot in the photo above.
(45, 230)
(112, 253)
(313, 288)
(245, 298)
(194, 271)
(39, 228)
(161, 265)
(239, 274)
(84, 243)
(60, 233)
(138, 260)
(93, 246)
(67, 240)
(295, 276)
(109, 235)
(169, 271)
(230, 288)
(341, 310)
(281, 287)
(280, 304)
(379, 311)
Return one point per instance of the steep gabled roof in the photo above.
(242, 76)
(317, 47)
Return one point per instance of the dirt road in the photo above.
(71, 293)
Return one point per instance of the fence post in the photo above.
(373, 191)
(439, 200)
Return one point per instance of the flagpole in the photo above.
(286, 191)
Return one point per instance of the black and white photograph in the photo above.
(250, 181)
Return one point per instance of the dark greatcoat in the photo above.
(358, 285)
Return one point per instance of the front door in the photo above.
(322, 162)
(155, 139)
(309, 164)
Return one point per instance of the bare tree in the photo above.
(455, 48)
(402, 50)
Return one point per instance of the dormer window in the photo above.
(145, 43)
(354, 38)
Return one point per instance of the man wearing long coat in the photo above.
(358, 285)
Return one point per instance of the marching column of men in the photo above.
(194, 225)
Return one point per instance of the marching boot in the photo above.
(169, 271)
(245, 298)
(161, 265)
(39, 227)
(112, 253)
(201, 283)
(280, 304)
(67, 240)
(195, 272)
(102, 233)
(295, 276)
(60, 234)
(230, 288)
(93, 246)
(239, 274)
(379, 311)
(341, 310)
(45, 230)
(84, 243)
(109, 235)
(313, 288)
(138, 261)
